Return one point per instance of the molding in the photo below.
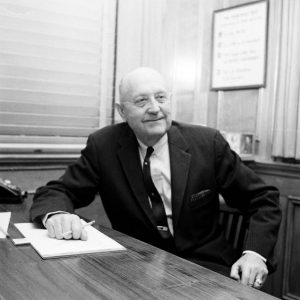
(275, 168)
(290, 239)
(51, 161)
(36, 161)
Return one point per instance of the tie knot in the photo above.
(149, 152)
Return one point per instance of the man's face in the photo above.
(146, 108)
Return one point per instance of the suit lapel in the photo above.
(180, 165)
(131, 164)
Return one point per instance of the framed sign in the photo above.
(240, 46)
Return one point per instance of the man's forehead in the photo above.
(140, 77)
(142, 81)
(146, 87)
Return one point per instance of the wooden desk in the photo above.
(141, 272)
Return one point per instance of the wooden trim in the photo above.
(13, 149)
(292, 202)
(15, 160)
(113, 104)
(36, 161)
(275, 169)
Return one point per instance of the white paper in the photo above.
(4, 222)
(49, 247)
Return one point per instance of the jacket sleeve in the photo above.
(76, 187)
(243, 189)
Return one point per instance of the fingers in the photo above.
(250, 270)
(247, 276)
(250, 276)
(53, 226)
(83, 235)
(258, 283)
(260, 279)
(76, 227)
(65, 226)
(50, 228)
(235, 272)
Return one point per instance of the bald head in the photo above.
(144, 104)
(138, 77)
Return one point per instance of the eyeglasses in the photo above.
(144, 101)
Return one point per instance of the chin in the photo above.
(154, 130)
(156, 134)
(157, 129)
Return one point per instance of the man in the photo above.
(167, 195)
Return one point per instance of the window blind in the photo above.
(53, 58)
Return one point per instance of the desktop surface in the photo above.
(140, 272)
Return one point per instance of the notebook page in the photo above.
(49, 247)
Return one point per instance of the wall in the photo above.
(174, 36)
(156, 33)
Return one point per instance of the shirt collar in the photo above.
(157, 147)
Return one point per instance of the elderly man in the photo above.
(160, 180)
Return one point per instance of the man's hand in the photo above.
(60, 223)
(250, 270)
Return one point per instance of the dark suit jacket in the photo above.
(202, 167)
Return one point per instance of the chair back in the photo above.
(234, 225)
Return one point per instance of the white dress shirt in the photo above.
(160, 173)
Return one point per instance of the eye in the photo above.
(141, 101)
(161, 98)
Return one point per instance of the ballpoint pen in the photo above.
(85, 225)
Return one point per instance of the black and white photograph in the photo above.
(149, 149)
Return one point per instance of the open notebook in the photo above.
(48, 247)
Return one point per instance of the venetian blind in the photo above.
(56, 60)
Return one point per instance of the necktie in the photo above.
(156, 201)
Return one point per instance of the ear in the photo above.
(120, 109)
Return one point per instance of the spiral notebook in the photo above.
(48, 247)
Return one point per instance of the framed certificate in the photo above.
(240, 46)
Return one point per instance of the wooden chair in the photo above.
(234, 224)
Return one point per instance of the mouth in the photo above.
(153, 120)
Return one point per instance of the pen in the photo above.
(85, 225)
(4, 232)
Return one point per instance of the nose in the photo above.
(153, 105)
